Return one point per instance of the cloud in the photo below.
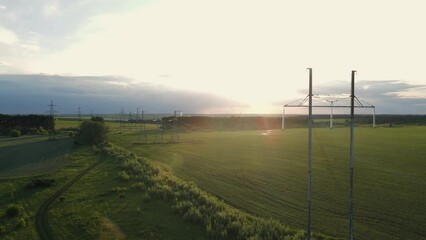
(51, 9)
(4, 63)
(388, 96)
(102, 94)
(7, 36)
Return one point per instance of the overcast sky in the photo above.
(236, 56)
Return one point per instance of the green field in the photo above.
(14, 191)
(91, 208)
(93, 205)
(265, 173)
(32, 155)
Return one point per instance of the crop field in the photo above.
(32, 155)
(265, 173)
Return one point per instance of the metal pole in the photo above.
(351, 160)
(331, 115)
(308, 228)
(283, 119)
(374, 117)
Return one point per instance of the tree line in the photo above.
(292, 121)
(25, 123)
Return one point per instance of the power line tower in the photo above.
(130, 116)
(52, 132)
(121, 116)
(177, 113)
(354, 103)
(51, 109)
(79, 113)
(142, 130)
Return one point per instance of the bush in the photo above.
(40, 183)
(124, 176)
(92, 132)
(36, 131)
(97, 119)
(21, 223)
(121, 191)
(15, 133)
(13, 211)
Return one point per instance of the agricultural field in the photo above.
(32, 155)
(265, 173)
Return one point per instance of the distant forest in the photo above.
(25, 123)
(263, 123)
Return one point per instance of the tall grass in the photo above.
(220, 220)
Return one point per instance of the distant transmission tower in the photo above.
(121, 118)
(52, 133)
(79, 113)
(142, 130)
(51, 109)
(177, 113)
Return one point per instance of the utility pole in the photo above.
(52, 133)
(331, 112)
(79, 113)
(308, 228)
(351, 159)
(51, 109)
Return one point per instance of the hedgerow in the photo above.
(220, 220)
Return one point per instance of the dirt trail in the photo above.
(41, 221)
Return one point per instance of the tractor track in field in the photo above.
(41, 221)
(256, 189)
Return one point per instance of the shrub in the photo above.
(124, 176)
(92, 226)
(13, 210)
(92, 132)
(97, 119)
(140, 186)
(21, 223)
(15, 133)
(121, 191)
(40, 183)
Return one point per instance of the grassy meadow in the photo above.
(265, 173)
(14, 191)
(94, 207)
(32, 155)
(260, 172)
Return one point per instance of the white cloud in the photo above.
(2, 7)
(51, 9)
(7, 36)
(253, 51)
(4, 63)
(412, 93)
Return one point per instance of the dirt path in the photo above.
(41, 221)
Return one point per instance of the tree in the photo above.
(97, 119)
(92, 132)
(15, 133)
(13, 210)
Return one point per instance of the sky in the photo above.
(199, 56)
